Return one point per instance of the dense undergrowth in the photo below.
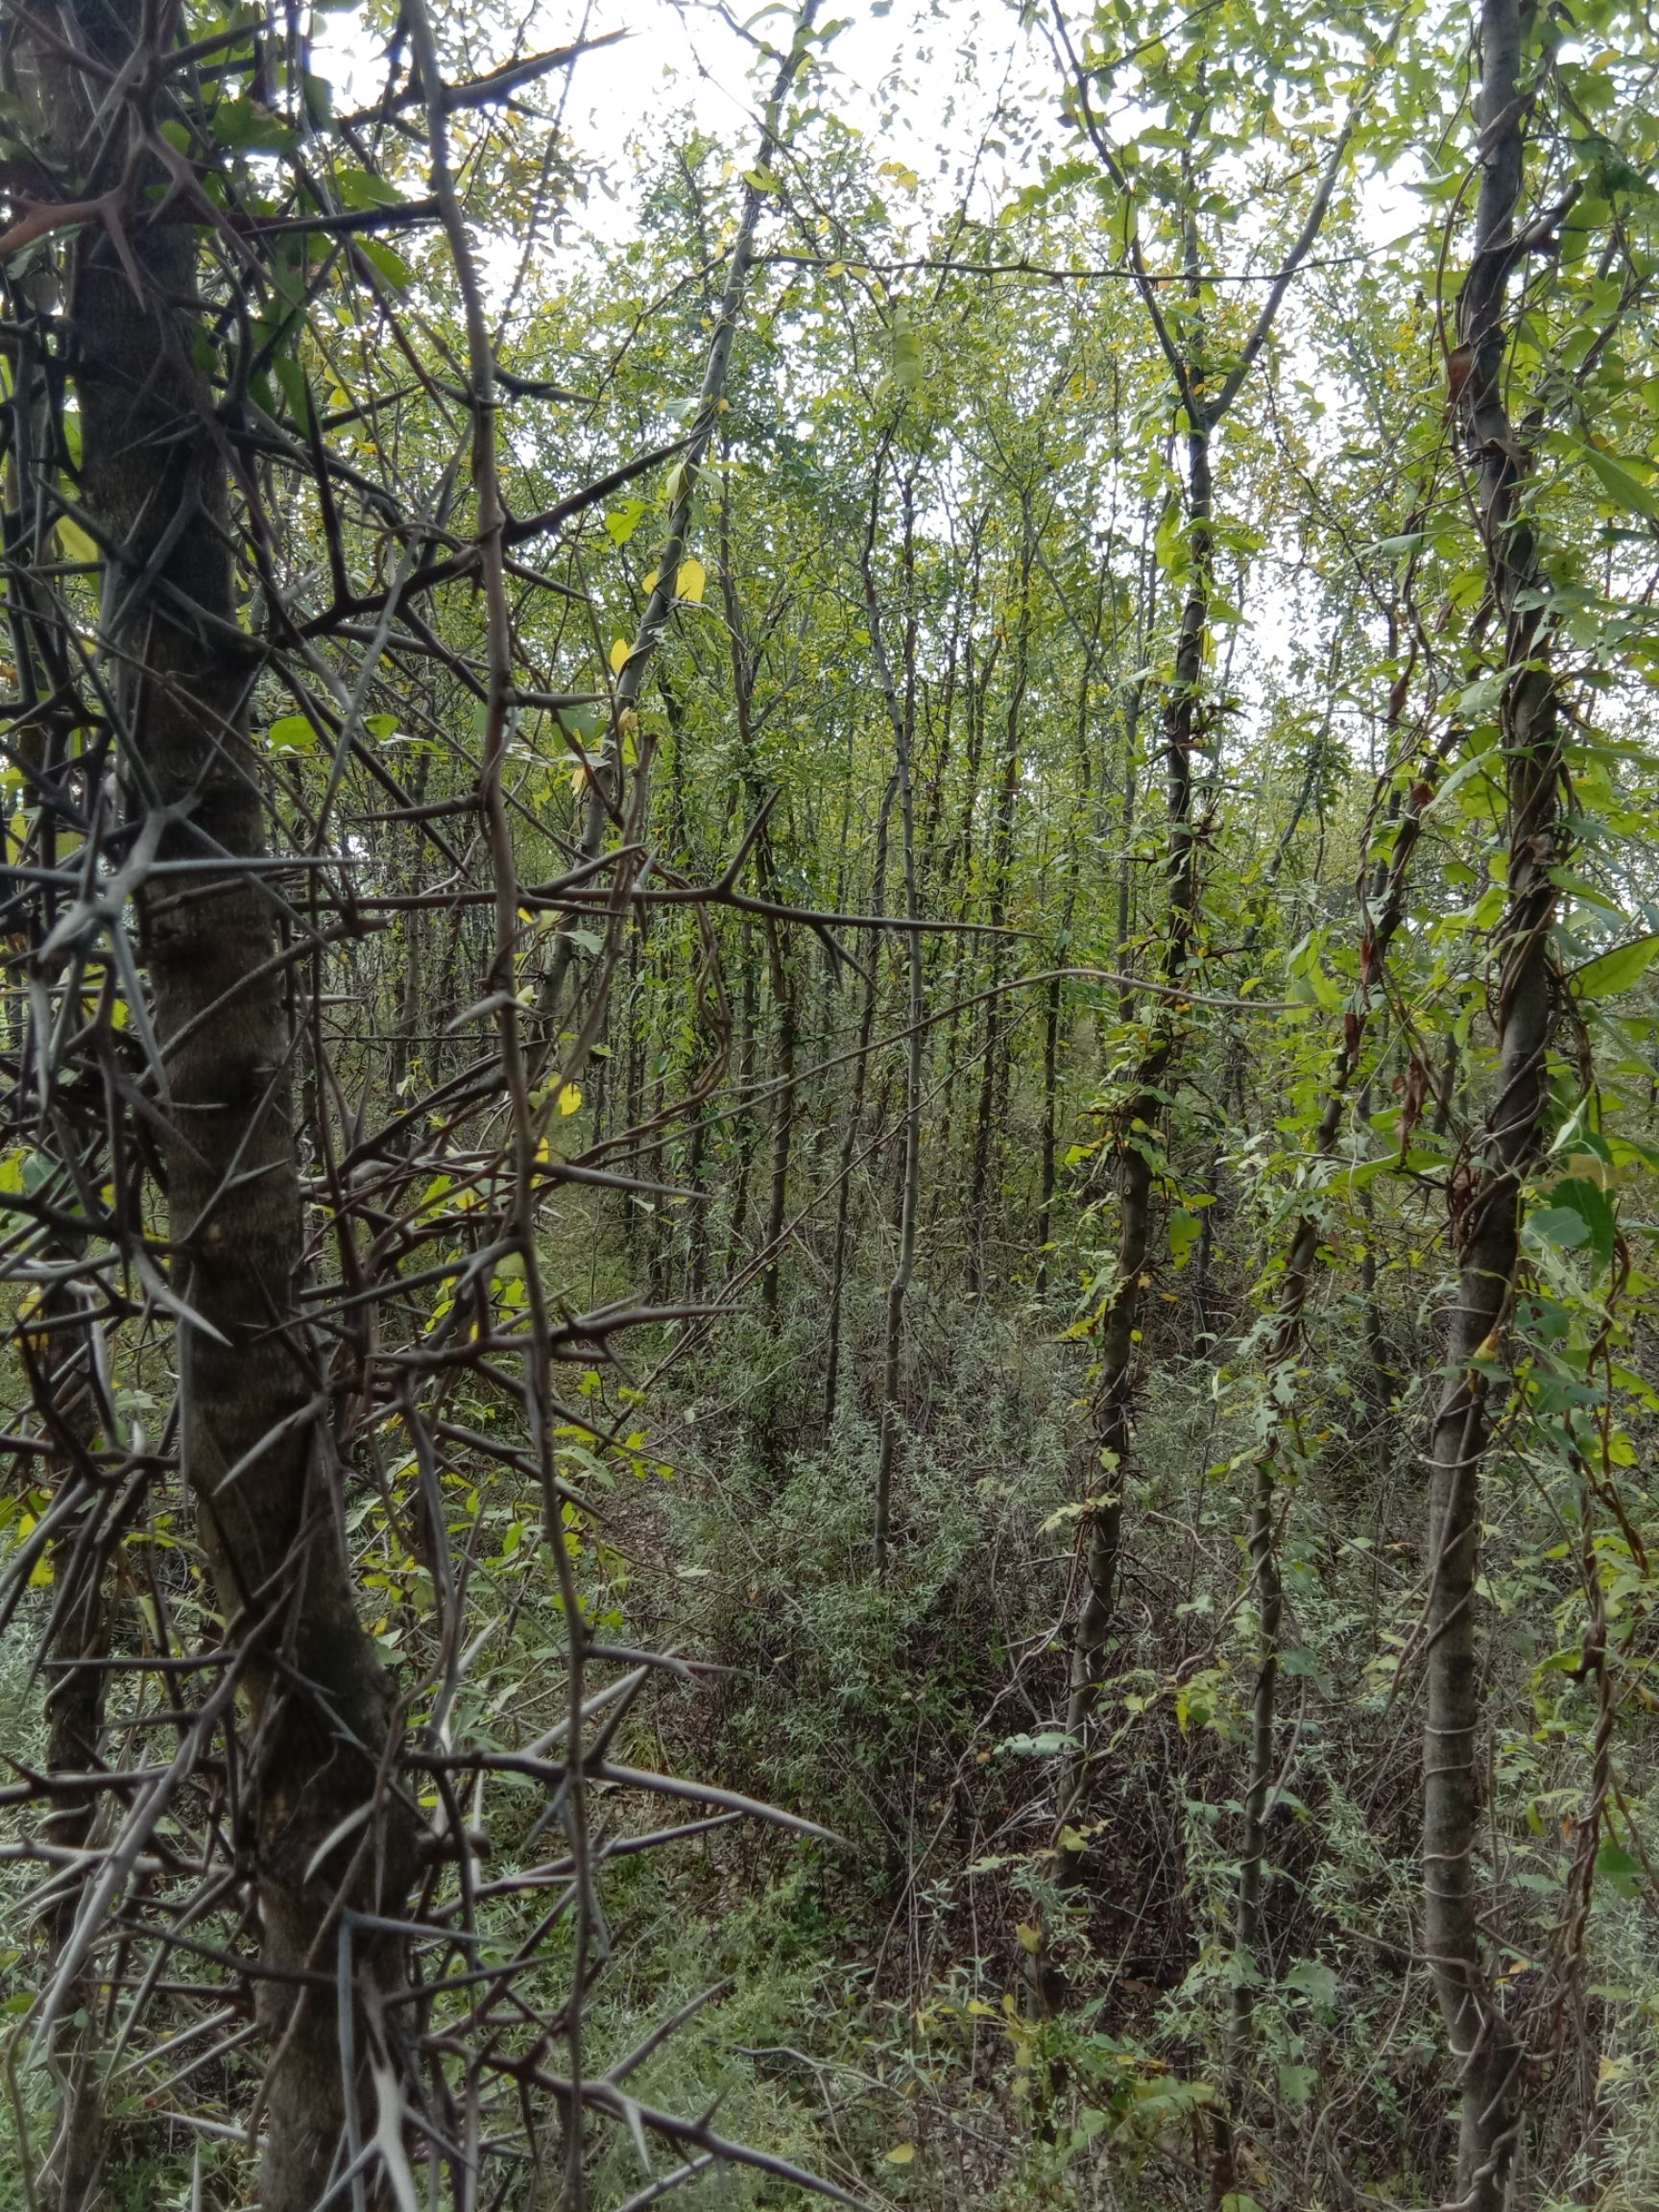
(869, 2005)
(919, 1720)
(844, 981)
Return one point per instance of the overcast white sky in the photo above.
(900, 73)
(922, 81)
(925, 80)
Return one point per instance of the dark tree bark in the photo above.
(1296, 1277)
(854, 1121)
(155, 479)
(783, 1018)
(1135, 1137)
(59, 1346)
(1203, 406)
(75, 1702)
(902, 716)
(984, 1190)
(1486, 1232)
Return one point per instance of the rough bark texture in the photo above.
(1487, 1232)
(1290, 1300)
(1112, 1424)
(155, 479)
(901, 716)
(75, 1702)
(855, 1120)
(984, 1179)
(63, 1353)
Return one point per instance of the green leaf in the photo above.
(1560, 1226)
(295, 389)
(1587, 1203)
(362, 188)
(245, 127)
(1313, 1980)
(392, 265)
(293, 734)
(1297, 2085)
(1616, 971)
(579, 722)
(1185, 1231)
(1619, 1869)
(907, 344)
(1623, 485)
(1612, 169)
(1478, 702)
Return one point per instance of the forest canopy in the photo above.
(831, 1107)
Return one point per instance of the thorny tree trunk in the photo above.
(1295, 1282)
(1138, 1123)
(1055, 997)
(958, 863)
(783, 1115)
(854, 1119)
(1045, 1140)
(900, 714)
(62, 1342)
(154, 479)
(605, 781)
(1111, 1426)
(75, 1699)
(75, 1713)
(1202, 413)
(1487, 1235)
(745, 663)
(746, 1127)
(984, 1187)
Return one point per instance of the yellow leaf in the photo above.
(569, 1098)
(901, 2153)
(651, 581)
(691, 581)
(1030, 1936)
(619, 656)
(76, 543)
